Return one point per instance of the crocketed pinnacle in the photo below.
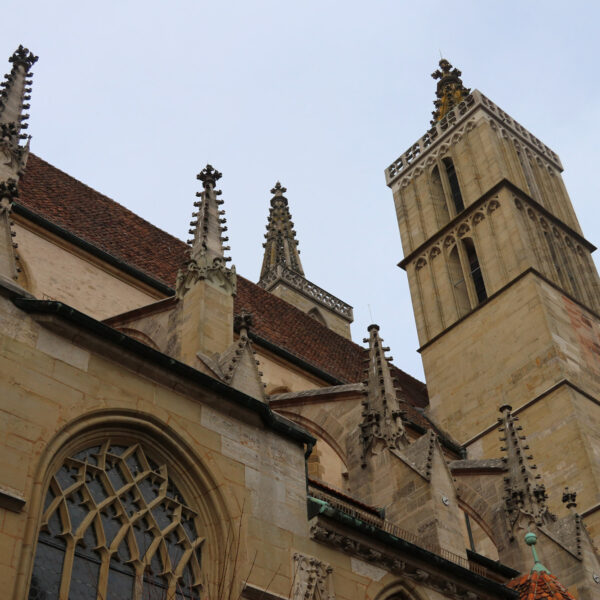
(207, 260)
(15, 92)
(524, 494)
(382, 416)
(281, 246)
(208, 224)
(450, 90)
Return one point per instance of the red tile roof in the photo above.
(97, 219)
(539, 586)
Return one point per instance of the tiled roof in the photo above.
(539, 586)
(97, 219)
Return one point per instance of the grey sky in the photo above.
(133, 98)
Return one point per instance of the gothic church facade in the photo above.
(171, 430)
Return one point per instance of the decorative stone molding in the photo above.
(432, 144)
(403, 566)
(474, 215)
(312, 579)
(281, 274)
(202, 268)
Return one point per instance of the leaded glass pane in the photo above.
(121, 579)
(45, 583)
(84, 578)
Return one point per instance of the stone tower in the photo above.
(505, 294)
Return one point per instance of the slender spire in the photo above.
(14, 96)
(382, 416)
(281, 246)
(450, 90)
(524, 500)
(207, 252)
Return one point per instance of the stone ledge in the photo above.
(11, 500)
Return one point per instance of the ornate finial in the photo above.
(382, 416)
(23, 57)
(281, 246)
(278, 190)
(531, 540)
(524, 500)
(209, 176)
(450, 90)
(569, 498)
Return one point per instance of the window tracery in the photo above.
(115, 527)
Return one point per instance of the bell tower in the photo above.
(505, 294)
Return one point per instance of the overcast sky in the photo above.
(134, 98)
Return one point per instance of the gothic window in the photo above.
(438, 197)
(115, 527)
(475, 270)
(458, 282)
(457, 199)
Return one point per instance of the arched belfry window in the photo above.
(475, 270)
(115, 527)
(438, 197)
(457, 199)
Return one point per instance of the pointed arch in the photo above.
(106, 482)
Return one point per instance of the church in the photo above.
(174, 431)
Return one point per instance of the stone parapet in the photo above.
(459, 115)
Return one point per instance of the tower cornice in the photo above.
(455, 121)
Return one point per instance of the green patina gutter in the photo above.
(271, 419)
(318, 507)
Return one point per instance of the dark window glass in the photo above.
(475, 270)
(454, 187)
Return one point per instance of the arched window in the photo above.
(457, 199)
(115, 527)
(458, 282)
(475, 270)
(438, 197)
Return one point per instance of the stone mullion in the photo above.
(103, 575)
(466, 271)
(486, 251)
(65, 580)
(444, 289)
(439, 321)
(446, 188)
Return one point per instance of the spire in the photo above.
(14, 96)
(382, 417)
(207, 260)
(524, 500)
(450, 90)
(281, 246)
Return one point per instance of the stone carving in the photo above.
(450, 90)
(524, 499)
(300, 283)
(455, 116)
(207, 260)
(382, 416)
(8, 256)
(281, 245)
(390, 562)
(312, 579)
